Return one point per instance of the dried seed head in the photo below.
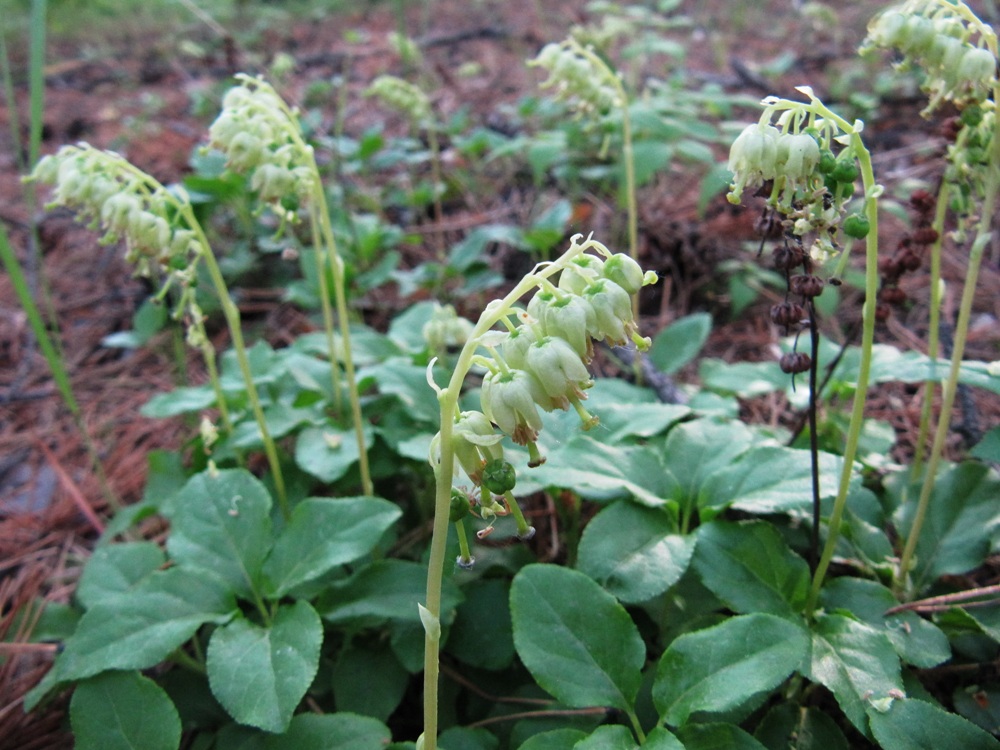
(795, 362)
(806, 285)
(788, 314)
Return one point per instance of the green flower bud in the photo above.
(568, 317)
(471, 433)
(446, 329)
(499, 476)
(612, 311)
(459, 507)
(753, 158)
(797, 156)
(857, 226)
(509, 401)
(580, 272)
(977, 69)
(559, 370)
(846, 170)
(514, 348)
(625, 272)
(888, 29)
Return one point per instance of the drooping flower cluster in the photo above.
(809, 165)
(577, 77)
(445, 330)
(259, 136)
(403, 96)
(538, 364)
(953, 47)
(110, 194)
(540, 361)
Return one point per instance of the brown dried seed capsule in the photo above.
(950, 128)
(925, 236)
(795, 362)
(787, 314)
(922, 201)
(892, 295)
(806, 285)
(890, 268)
(910, 260)
(787, 257)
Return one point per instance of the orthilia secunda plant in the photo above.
(261, 137)
(806, 160)
(165, 242)
(582, 78)
(958, 54)
(415, 105)
(535, 360)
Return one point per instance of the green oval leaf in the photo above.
(680, 342)
(123, 711)
(577, 641)
(916, 640)
(141, 628)
(339, 731)
(113, 569)
(769, 479)
(323, 533)
(634, 551)
(721, 667)
(750, 568)
(386, 590)
(221, 522)
(856, 662)
(259, 674)
(717, 736)
(327, 453)
(917, 725)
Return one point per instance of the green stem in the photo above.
(983, 236)
(934, 333)
(340, 298)
(208, 355)
(232, 315)
(864, 367)
(327, 310)
(947, 397)
(444, 473)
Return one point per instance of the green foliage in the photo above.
(674, 608)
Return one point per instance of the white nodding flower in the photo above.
(509, 400)
(797, 155)
(559, 370)
(753, 158)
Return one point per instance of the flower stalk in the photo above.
(469, 440)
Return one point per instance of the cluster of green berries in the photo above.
(111, 195)
(810, 177)
(259, 136)
(938, 38)
(577, 76)
(403, 96)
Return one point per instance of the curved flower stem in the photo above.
(631, 201)
(327, 254)
(327, 312)
(867, 340)
(444, 472)
(232, 315)
(340, 298)
(982, 239)
(934, 326)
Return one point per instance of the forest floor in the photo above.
(141, 91)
